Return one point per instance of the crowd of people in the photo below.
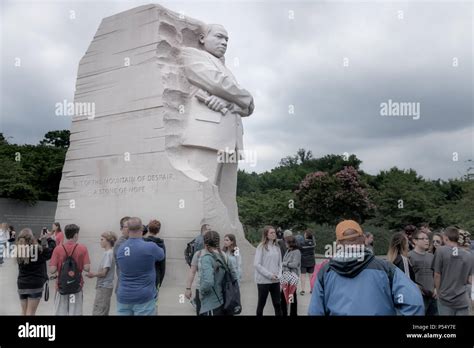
(423, 273)
(441, 264)
(416, 278)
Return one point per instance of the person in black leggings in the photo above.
(268, 271)
(274, 290)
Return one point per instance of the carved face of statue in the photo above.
(215, 41)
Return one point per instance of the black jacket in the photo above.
(399, 263)
(307, 253)
(34, 274)
(160, 266)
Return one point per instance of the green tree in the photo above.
(302, 156)
(15, 180)
(32, 172)
(247, 183)
(459, 211)
(57, 138)
(292, 170)
(275, 207)
(3, 140)
(403, 197)
(332, 163)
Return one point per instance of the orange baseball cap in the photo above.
(345, 225)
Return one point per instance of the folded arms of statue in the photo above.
(213, 82)
(221, 105)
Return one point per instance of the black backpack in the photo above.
(189, 251)
(230, 289)
(70, 278)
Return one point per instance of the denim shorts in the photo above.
(147, 308)
(307, 270)
(34, 296)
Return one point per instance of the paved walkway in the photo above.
(170, 298)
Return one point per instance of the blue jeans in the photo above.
(147, 308)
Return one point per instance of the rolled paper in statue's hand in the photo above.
(203, 97)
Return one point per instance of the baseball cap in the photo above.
(345, 225)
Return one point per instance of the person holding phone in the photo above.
(268, 268)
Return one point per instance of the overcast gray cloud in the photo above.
(288, 54)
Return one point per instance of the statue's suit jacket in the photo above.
(207, 128)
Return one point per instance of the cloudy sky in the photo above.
(333, 63)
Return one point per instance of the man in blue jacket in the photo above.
(355, 282)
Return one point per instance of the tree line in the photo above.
(33, 172)
(305, 192)
(301, 192)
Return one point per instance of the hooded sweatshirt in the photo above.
(364, 285)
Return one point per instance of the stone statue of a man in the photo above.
(213, 134)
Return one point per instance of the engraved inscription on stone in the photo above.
(122, 185)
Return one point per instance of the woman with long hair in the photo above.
(32, 256)
(232, 252)
(268, 269)
(398, 254)
(211, 276)
(436, 242)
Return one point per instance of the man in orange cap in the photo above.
(355, 282)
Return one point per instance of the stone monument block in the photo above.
(129, 157)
